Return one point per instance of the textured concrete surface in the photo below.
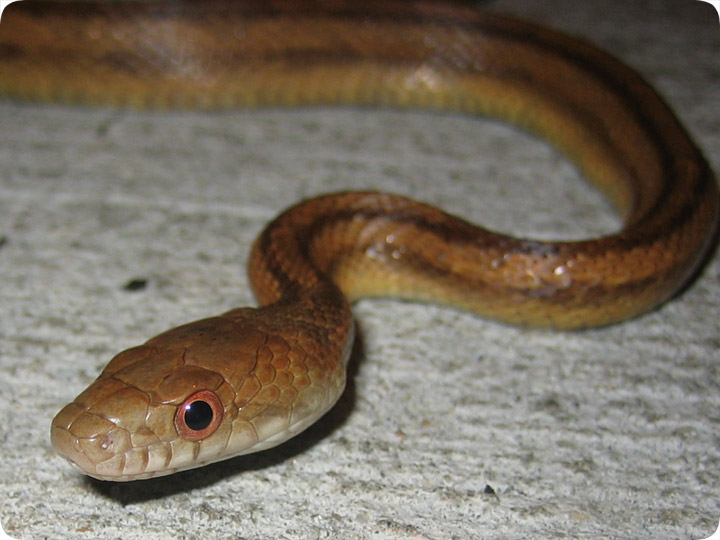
(452, 427)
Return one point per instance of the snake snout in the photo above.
(92, 444)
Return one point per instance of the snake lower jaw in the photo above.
(101, 456)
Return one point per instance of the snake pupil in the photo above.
(198, 415)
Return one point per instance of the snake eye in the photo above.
(199, 415)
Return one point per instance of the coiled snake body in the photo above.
(253, 377)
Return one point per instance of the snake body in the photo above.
(253, 377)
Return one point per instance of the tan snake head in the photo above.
(199, 393)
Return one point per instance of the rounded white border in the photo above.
(716, 5)
(3, 5)
(3, 534)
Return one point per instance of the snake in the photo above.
(253, 377)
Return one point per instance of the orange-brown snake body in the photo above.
(253, 377)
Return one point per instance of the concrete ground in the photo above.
(452, 426)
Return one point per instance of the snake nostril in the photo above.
(199, 415)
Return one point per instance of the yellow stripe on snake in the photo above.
(253, 377)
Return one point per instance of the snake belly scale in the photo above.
(253, 377)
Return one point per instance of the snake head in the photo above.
(199, 393)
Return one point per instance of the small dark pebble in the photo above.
(488, 490)
(136, 284)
